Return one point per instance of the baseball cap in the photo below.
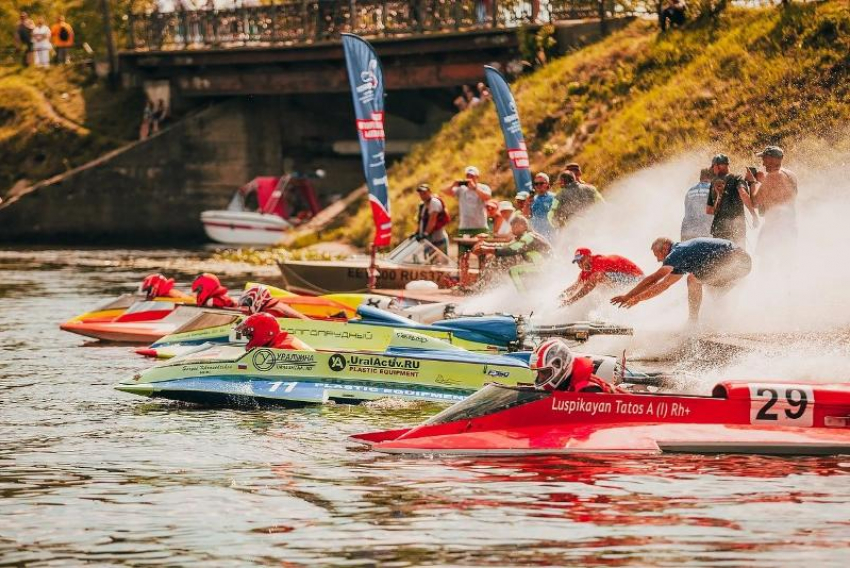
(771, 152)
(491, 203)
(720, 159)
(471, 170)
(522, 196)
(573, 166)
(581, 253)
(423, 187)
(506, 206)
(542, 176)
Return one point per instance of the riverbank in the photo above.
(748, 78)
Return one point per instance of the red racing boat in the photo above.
(739, 417)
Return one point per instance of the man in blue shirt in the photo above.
(714, 262)
(540, 206)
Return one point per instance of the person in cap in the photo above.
(775, 195)
(432, 219)
(522, 203)
(502, 227)
(696, 222)
(574, 197)
(541, 206)
(611, 271)
(719, 263)
(728, 197)
(523, 255)
(471, 196)
(491, 207)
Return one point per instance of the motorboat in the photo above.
(133, 320)
(738, 417)
(261, 211)
(412, 260)
(412, 367)
(372, 327)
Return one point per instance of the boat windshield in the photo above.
(122, 302)
(492, 398)
(207, 320)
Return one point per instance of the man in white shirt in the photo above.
(471, 196)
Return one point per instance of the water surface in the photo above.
(89, 474)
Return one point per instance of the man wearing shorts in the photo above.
(611, 271)
(719, 263)
(472, 214)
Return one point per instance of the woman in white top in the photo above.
(41, 44)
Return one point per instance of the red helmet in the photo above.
(552, 363)
(205, 286)
(156, 285)
(255, 298)
(259, 329)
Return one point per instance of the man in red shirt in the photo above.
(612, 271)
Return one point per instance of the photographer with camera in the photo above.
(471, 197)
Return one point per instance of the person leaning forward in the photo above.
(719, 263)
(729, 195)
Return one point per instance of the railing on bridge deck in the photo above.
(304, 21)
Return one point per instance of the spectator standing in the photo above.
(696, 222)
(41, 43)
(158, 116)
(775, 196)
(541, 206)
(502, 226)
(726, 201)
(573, 199)
(62, 35)
(23, 38)
(523, 203)
(432, 219)
(471, 196)
(147, 118)
(674, 13)
(483, 92)
(469, 96)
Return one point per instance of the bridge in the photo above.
(292, 47)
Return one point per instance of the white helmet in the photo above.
(552, 363)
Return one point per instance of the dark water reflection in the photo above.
(88, 474)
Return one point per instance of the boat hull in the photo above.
(318, 277)
(749, 418)
(311, 377)
(244, 228)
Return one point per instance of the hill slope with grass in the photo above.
(744, 79)
(52, 120)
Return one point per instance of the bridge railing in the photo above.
(305, 21)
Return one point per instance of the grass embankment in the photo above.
(56, 119)
(743, 80)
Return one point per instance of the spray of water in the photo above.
(785, 310)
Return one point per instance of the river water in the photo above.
(89, 474)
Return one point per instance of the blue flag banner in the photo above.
(367, 91)
(511, 128)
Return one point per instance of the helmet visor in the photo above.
(544, 375)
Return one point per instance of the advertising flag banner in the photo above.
(367, 91)
(511, 128)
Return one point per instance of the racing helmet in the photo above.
(156, 285)
(552, 363)
(204, 287)
(254, 299)
(259, 329)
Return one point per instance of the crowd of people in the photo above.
(470, 97)
(35, 41)
(516, 237)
